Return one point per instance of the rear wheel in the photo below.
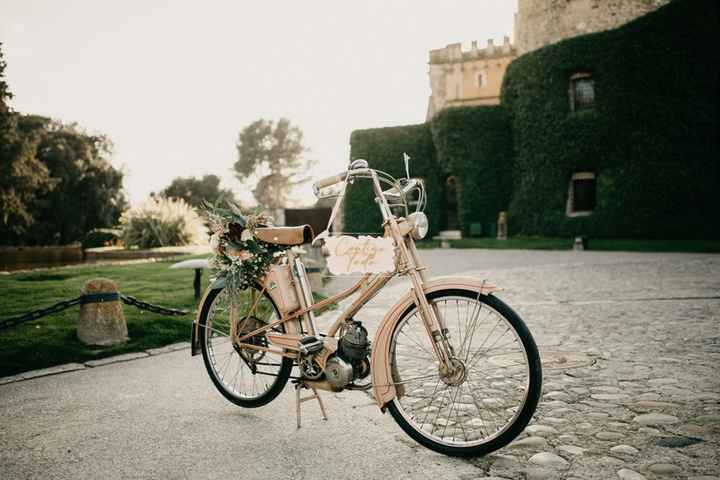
(248, 378)
(495, 387)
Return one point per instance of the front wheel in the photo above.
(494, 389)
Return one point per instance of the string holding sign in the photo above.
(363, 254)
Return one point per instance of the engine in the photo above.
(351, 359)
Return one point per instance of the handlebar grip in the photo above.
(329, 181)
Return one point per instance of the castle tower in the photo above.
(542, 22)
(473, 77)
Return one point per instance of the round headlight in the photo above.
(420, 225)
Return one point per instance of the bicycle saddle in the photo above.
(285, 235)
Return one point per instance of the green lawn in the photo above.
(608, 244)
(518, 243)
(629, 245)
(52, 340)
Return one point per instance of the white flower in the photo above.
(246, 235)
(215, 242)
(218, 227)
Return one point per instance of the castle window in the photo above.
(582, 91)
(481, 80)
(582, 194)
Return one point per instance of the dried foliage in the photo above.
(160, 222)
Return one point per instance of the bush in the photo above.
(160, 222)
(472, 143)
(383, 149)
(101, 237)
(475, 143)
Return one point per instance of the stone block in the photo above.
(101, 323)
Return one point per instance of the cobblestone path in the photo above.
(630, 345)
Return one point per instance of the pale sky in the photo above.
(173, 82)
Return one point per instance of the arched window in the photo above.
(451, 204)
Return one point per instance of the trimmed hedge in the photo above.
(475, 144)
(383, 149)
(651, 137)
(472, 143)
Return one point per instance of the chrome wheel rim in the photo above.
(490, 398)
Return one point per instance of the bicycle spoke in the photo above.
(416, 343)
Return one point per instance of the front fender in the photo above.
(195, 334)
(383, 387)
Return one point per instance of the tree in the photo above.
(88, 193)
(195, 190)
(272, 155)
(22, 176)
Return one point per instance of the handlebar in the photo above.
(404, 189)
(328, 182)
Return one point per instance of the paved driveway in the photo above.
(630, 346)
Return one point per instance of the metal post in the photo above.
(196, 283)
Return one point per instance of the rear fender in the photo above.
(383, 387)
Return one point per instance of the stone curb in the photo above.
(73, 367)
(119, 358)
(168, 348)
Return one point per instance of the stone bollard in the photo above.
(502, 226)
(580, 244)
(102, 321)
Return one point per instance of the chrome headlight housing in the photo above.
(420, 225)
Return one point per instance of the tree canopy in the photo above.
(56, 180)
(88, 191)
(195, 190)
(22, 175)
(272, 156)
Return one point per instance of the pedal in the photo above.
(310, 344)
(299, 400)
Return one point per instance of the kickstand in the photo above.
(299, 400)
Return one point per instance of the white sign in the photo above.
(362, 255)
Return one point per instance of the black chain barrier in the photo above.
(128, 300)
(85, 299)
(35, 314)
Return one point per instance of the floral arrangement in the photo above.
(238, 256)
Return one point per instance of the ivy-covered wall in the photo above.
(383, 149)
(651, 137)
(474, 144)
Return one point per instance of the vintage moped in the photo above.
(456, 367)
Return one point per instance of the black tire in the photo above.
(208, 332)
(411, 392)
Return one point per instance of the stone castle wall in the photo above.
(542, 22)
(467, 78)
